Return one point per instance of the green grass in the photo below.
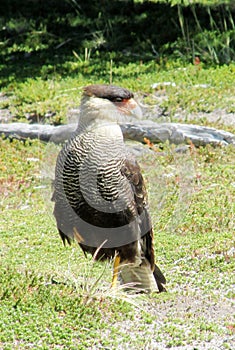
(197, 89)
(52, 297)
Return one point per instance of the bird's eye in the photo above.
(118, 99)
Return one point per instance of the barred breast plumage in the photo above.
(100, 196)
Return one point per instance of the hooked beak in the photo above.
(130, 107)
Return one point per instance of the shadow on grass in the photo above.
(38, 38)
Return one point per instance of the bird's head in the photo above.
(108, 103)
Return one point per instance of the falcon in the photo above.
(99, 192)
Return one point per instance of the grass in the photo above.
(194, 89)
(52, 297)
(139, 29)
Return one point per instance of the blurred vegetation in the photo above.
(44, 33)
(48, 49)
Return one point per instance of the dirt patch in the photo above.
(196, 317)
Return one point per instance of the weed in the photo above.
(52, 296)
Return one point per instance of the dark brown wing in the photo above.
(132, 171)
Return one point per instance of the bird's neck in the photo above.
(102, 128)
(109, 131)
(100, 119)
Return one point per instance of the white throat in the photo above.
(98, 113)
(109, 130)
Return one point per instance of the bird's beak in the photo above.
(130, 107)
(135, 109)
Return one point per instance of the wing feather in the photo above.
(131, 170)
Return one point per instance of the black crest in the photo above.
(110, 92)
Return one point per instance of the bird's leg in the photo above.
(115, 270)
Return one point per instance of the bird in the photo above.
(100, 197)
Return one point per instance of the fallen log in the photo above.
(175, 133)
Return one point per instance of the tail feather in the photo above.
(159, 278)
(141, 277)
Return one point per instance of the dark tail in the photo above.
(160, 279)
